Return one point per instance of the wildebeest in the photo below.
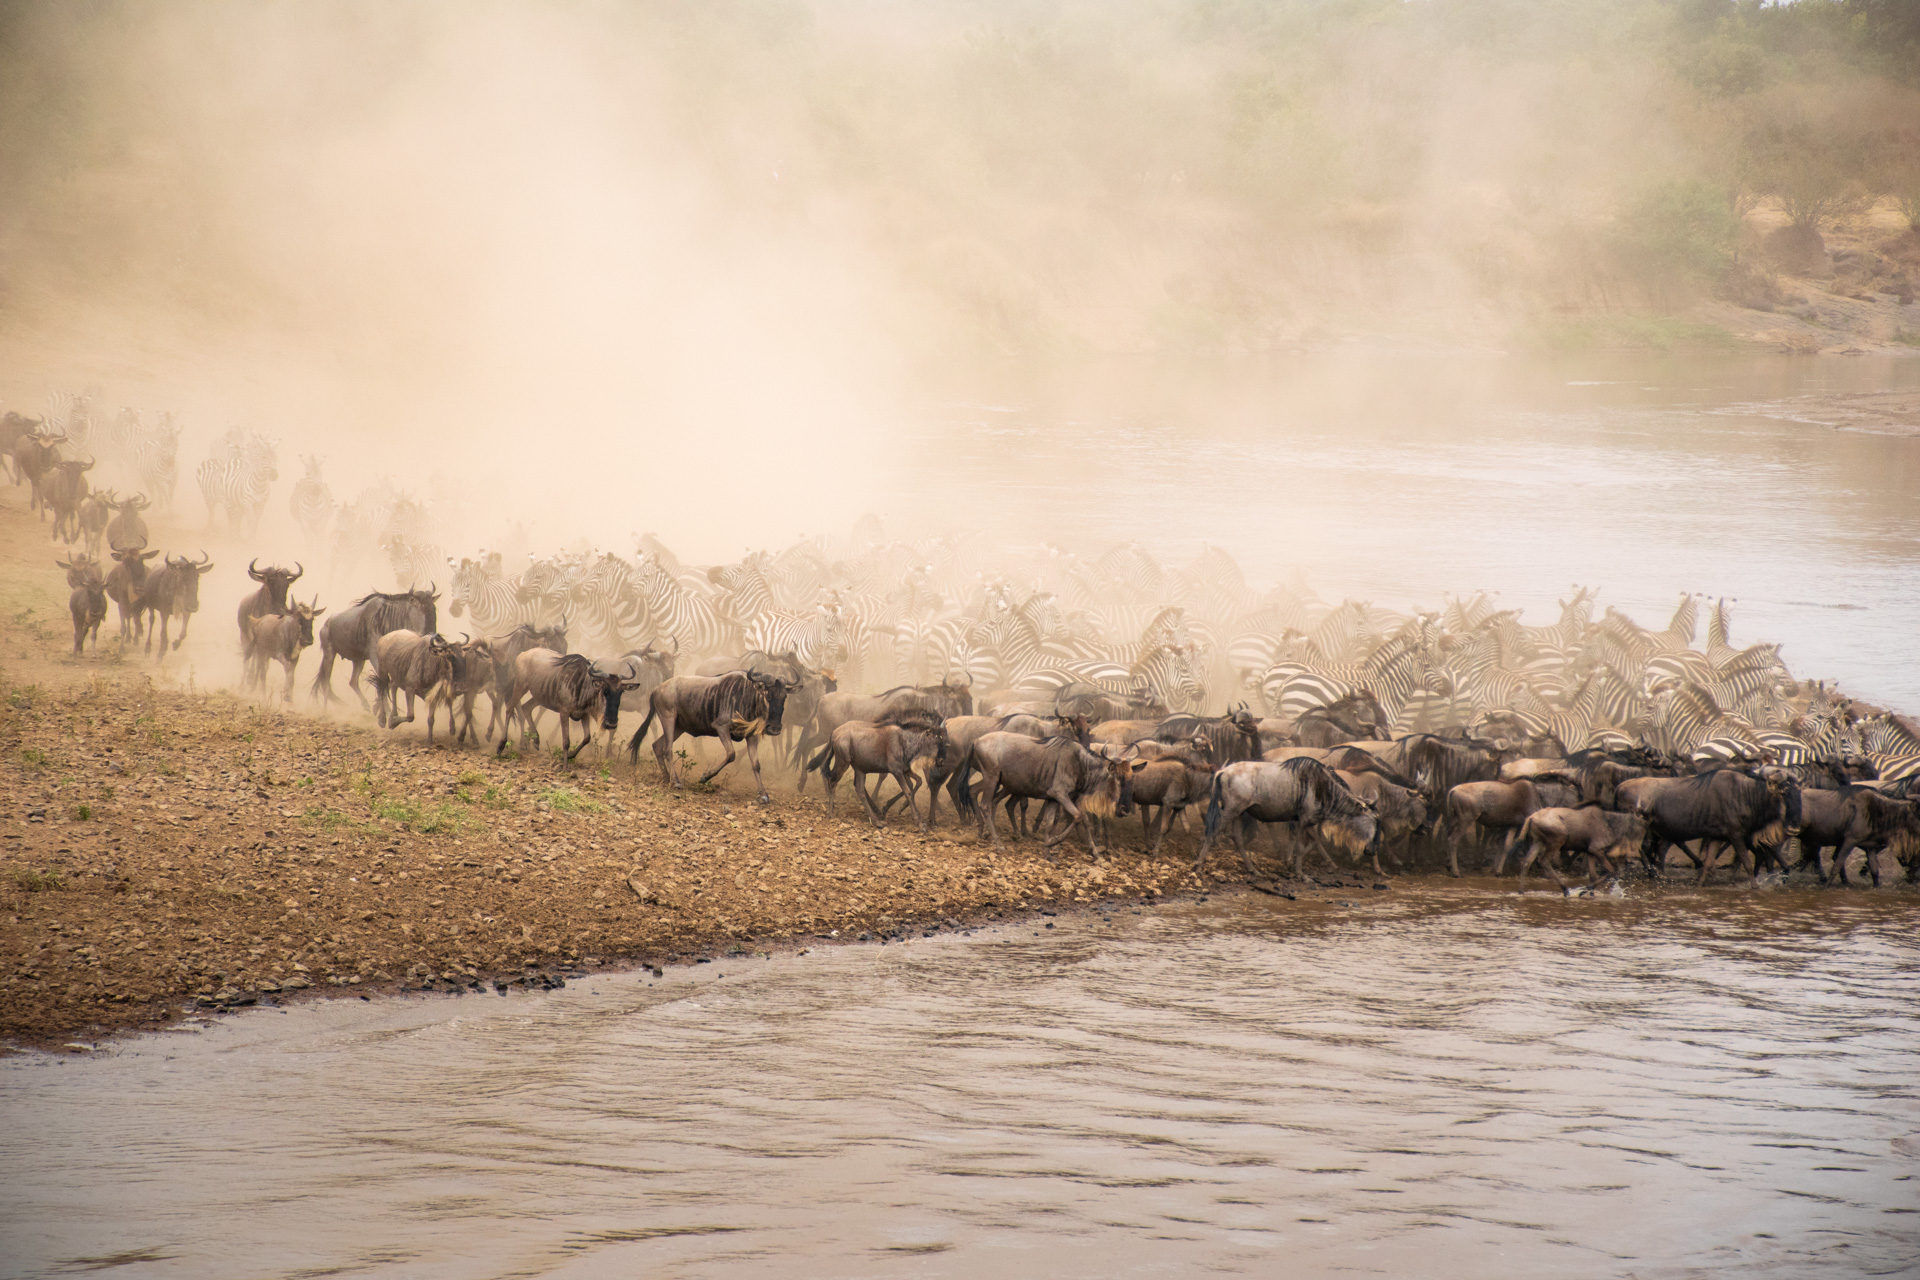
(12, 427)
(95, 511)
(738, 705)
(351, 633)
(1857, 818)
(955, 772)
(281, 638)
(1358, 715)
(891, 746)
(1437, 765)
(1588, 829)
(1167, 786)
(1059, 771)
(87, 602)
(173, 590)
(1303, 793)
(839, 707)
(34, 454)
(1486, 807)
(127, 531)
(1400, 811)
(65, 485)
(1725, 805)
(473, 668)
(125, 583)
(271, 597)
(418, 665)
(1234, 736)
(570, 686)
(510, 646)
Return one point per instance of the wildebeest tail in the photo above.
(1213, 809)
(820, 758)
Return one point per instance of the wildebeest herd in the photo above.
(1020, 675)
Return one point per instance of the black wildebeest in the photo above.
(281, 638)
(891, 747)
(1725, 805)
(570, 686)
(1059, 771)
(738, 705)
(1485, 807)
(65, 485)
(1588, 829)
(125, 582)
(173, 590)
(270, 598)
(1301, 792)
(88, 601)
(420, 666)
(351, 633)
(127, 531)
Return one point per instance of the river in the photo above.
(1402, 478)
(1455, 1081)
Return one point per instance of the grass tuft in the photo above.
(30, 881)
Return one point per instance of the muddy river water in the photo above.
(1436, 1081)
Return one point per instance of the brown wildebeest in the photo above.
(65, 486)
(127, 531)
(956, 773)
(34, 454)
(510, 646)
(1400, 811)
(1059, 771)
(1610, 837)
(269, 599)
(88, 601)
(174, 589)
(1168, 784)
(125, 583)
(1857, 818)
(890, 746)
(1726, 805)
(280, 637)
(1302, 792)
(12, 427)
(474, 663)
(418, 665)
(570, 686)
(352, 632)
(1486, 807)
(738, 705)
(840, 707)
(94, 514)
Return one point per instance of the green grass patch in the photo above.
(1628, 332)
(1907, 337)
(33, 757)
(30, 881)
(425, 819)
(24, 697)
(567, 800)
(81, 813)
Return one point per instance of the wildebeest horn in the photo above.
(433, 590)
(204, 559)
(251, 571)
(299, 571)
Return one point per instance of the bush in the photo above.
(1677, 235)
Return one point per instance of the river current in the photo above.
(1448, 1081)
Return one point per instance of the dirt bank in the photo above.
(161, 843)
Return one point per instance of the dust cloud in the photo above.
(594, 268)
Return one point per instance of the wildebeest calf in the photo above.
(281, 638)
(890, 746)
(1549, 833)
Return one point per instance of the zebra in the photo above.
(311, 502)
(238, 481)
(679, 614)
(154, 459)
(818, 638)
